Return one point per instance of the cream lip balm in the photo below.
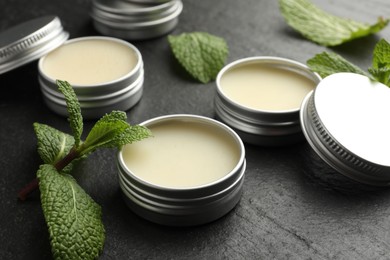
(258, 86)
(90, 61)
(182, 155)
(190, 173)
(260, 98)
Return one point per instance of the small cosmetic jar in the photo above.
(106, 74)
(345, 121)
(260, 98)
(190, 172)
(135, 20)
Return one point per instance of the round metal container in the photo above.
(346, 125)
(184, 206)
(97, 99)
(257, 126)
(135, 21)
(95, 107)
(29, 41)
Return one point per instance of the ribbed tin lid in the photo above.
(346, 122)
(29, 41)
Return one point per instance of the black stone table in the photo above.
(282, 213)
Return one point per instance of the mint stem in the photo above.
(34, 184)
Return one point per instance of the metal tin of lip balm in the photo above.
(190, 172)
(346, 125)
(260, 98)
(133, 20)
(29, 41)
(119, 91)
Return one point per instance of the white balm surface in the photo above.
(257, 86)
(182, 154)
(90, 61)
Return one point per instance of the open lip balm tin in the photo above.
(260, 98)
(106, 74)
(345, 121)
(190, 172)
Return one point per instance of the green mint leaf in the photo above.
(130, 135)
(381, 62)
(326, 64)
(322, 27)
(74, 110)
(73, 218)
(111, 131)
(381, 56)
(203, 55)
(53, 144)
(382, 75)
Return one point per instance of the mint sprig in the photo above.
(326, 64)
(203, 55)
(324, 28)
(73, 218)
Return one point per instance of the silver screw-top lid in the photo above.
(346, 122)
(29, 41)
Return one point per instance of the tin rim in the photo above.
(192, 118)
(284, 63)
(103, 85)
(97, 103)
(89, 98)
(120, 18)
(34, 45)
(141, 25)
(142, 10)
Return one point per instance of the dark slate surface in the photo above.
(282, 213)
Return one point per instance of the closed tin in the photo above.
(99, 98)
(182, 202)
(29, 41)
(268, 127)
(134, 20)
(345, 121)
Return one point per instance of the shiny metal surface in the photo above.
(344, 121)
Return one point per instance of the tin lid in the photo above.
(29, 41)
(346, 122)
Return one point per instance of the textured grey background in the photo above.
(282, 214)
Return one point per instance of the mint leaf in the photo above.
(53, 144)
(130, 135)
(111, 131)
(322, 27)
(381, 57)
(74, 110)
(73, 218)
(381, 62)
(326, 64)
(203, 55)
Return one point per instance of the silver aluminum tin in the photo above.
(94, 109)
(186, 206)
(103, 88)
(29, 41)
(261, 127)
(97, 99)
(118, 18)
(148, 1)
(138, 27)
(336, 153)
(131, 9)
